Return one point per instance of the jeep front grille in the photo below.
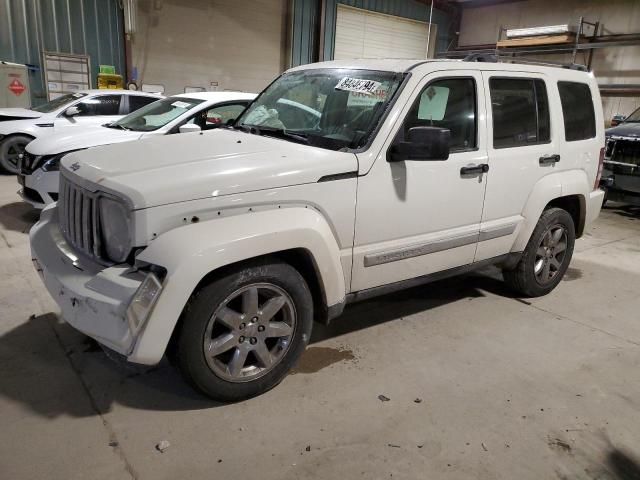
(78, 218)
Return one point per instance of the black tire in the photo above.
(10, 147)
(196, 321)
(523, 278)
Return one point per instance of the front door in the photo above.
(417, 217)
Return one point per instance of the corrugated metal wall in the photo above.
(89, 27)
(303, 41)
(305, 16)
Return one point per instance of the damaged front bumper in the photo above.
(94, 299)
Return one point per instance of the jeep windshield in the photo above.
(156, 115)
(332, 109)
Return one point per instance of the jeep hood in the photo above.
(189, 166)
(68, 139)
(625, 130)
(7, 114)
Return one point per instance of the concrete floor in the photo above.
(509, 389)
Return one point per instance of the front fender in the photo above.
(547, 189)
(191, 252)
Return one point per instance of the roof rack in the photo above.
(493, 58)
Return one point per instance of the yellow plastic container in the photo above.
(109, 81)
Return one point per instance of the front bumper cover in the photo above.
(93, 299)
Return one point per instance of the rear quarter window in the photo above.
(577, 111)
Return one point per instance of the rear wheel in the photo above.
(546, 257)
(10, 150)
(242, 333)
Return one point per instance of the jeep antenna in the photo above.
(429, 31)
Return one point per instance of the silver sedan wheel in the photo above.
(550, 254)
(250, 332)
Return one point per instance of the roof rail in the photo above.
(481, 57)
(493, 58)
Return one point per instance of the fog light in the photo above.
(143, 301)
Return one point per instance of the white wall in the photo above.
(238, 44)
(610, 65)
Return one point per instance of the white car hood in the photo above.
(176, 168)
(19, 113)
(68, 139)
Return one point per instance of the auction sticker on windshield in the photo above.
(180, 104)
(357, 85)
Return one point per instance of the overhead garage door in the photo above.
(210, 45)
(364, 34)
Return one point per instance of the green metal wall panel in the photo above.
(303, 42)
(88, 27)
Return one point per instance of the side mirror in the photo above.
(422, 143)
(72, 111)
(189, 128)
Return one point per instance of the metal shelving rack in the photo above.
(583, 42)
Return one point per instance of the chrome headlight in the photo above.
(115, 226)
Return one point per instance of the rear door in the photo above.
(522, 149)
(582, 143)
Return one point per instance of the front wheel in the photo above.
(546, 257)
(10, 150)
(241, 334)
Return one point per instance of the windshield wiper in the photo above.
(281, 133)
(116, 125)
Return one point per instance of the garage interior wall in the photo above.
(211, 44)
(480, 25)
(87, 27)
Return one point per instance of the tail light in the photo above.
(600, 167)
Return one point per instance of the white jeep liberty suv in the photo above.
(341, 181)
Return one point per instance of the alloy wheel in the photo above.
(250, 332)
(550, 254)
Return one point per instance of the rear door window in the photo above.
(577, 110)
(520, 112)
(138, 101)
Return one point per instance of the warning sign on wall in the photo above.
(17, 87)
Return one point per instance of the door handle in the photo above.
(549, 159)
(474, 169)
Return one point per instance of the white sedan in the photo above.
(19, 126)
(186, 112)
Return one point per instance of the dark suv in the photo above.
(621, 174)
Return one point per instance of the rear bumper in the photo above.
(93, 299)
(594, 205)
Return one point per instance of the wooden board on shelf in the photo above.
(537, 41)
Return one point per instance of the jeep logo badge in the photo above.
(74, 166)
